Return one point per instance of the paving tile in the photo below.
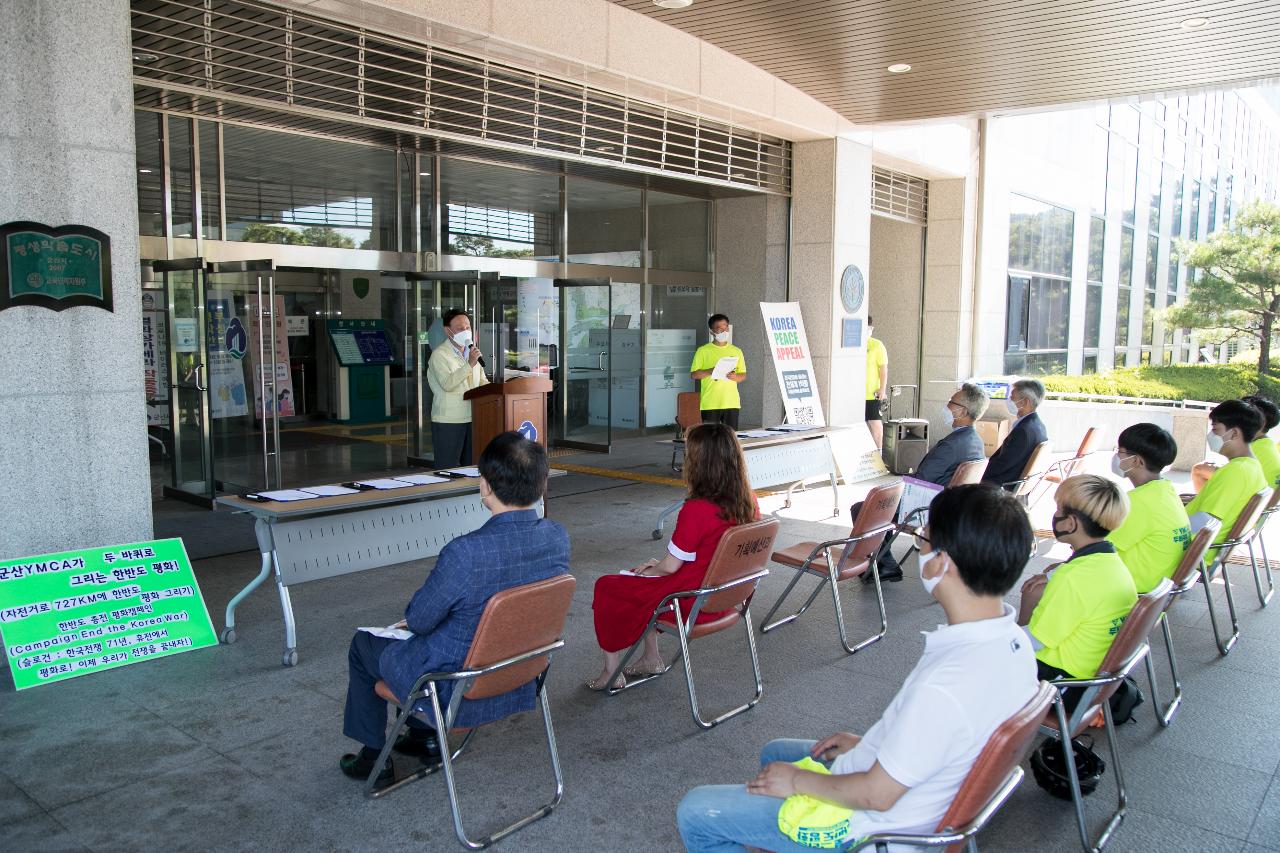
(1266, 827)
(38, 833)
(1172, 783)
(14, 802)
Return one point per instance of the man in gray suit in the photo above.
(1008, 462)
(961, 444)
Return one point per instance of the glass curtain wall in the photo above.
(1040, 236)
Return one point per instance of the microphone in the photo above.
(479, 360)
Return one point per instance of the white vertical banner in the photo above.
(784, 329)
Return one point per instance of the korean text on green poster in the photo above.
(63, 615)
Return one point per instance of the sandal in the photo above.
(641, 669)
(599, 685)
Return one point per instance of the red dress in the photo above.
(624, 604)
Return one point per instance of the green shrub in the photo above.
(1209, 382)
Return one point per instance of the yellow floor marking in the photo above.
(618, 475)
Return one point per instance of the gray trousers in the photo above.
(451, 444)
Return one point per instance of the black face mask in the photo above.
(1058, 534)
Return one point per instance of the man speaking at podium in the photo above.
(455, 367)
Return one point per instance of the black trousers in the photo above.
(721, 416)
(451, 444)
(365, 716)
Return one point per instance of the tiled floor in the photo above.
(223, 749)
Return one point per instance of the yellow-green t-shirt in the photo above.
(1084, 605)
(1228, 490)
(1268, 456)
(1154, 535)
(877, 357)
(718, 393)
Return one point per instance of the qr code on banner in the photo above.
(802, 415)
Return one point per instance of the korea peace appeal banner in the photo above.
(63, 615)
(784, 329)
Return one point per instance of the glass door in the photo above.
(184, 295)
(250, 385)
(583, 390)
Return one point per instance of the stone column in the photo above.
(73, 443)
(751, 267)
(831, 229)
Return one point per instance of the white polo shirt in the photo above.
(971, 678)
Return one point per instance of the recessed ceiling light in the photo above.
(604, 148)
(420, 112)
(145, 171)
(899, 68)
(1194, 23)
(673, 4)
(145, 58)
(425, 174)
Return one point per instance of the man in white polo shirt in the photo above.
(976, 672)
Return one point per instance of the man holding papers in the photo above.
(719, 366)
(514, 547)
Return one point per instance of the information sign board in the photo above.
(54, 268)
(68, 614)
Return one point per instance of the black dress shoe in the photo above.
(356, 766)
(425, 747)
(888, 574)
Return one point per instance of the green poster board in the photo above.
(54, 268)
(63, 615)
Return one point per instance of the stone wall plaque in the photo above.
(54, 268)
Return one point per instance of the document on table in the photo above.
(391, 632)
(470, 471)
(329, 491)
(287, 495)
(421, 479)
(385, 483)
(792, 428)
(757, 433)
(915, 495)
(724, 367)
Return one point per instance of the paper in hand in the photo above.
(724, 367)
(391, 632)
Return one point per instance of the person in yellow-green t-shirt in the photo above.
(877, 384)
(720, 402)
(1233, 426)
(1080, 604)
(1156, 532)
(1264, 449)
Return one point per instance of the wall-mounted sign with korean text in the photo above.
(54, 268)
(63, 615)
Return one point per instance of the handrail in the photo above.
(1082, 397)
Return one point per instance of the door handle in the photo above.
(200, 386)
(600, 362)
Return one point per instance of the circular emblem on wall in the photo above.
(853, 289)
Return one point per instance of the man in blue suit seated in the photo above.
(961, 444)
(514, 547)
(1010, 459)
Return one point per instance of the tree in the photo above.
(312, 235)
(1238, 288)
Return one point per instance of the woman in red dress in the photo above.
(719, 497)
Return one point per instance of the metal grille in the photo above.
(898, 195)
(248, 61)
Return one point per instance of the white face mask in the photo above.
(1215, 442)
(948, 419)
(1117, 467)
(463, 338)
(721, 337)
(930, 583)
(1011, 406)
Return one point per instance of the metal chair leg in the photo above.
(1206, 577)
(682, 630)
(769, 626)
(421, 773)
(1077, 799)
(1263, 598)
(1166, 713)
(874, 568)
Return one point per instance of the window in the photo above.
(1093, 315)
(150, 165)
(496, 212)
(604, 223)
(210, 197)
(1194, 229)
(1153, 217)
(679, 232)
(1175, 220)
(308, 191)
(1097, 239)
(1099, 193)
(180, 176)
(1124, 293)
(1038, 307)
(1040, 237)
(1124, 156)
(677, 327)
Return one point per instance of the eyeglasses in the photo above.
(918, 538)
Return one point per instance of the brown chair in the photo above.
(518, 631)
(968, 473)
(1060, 471)
(857, 555)
(1273, 505)
(992, 779)
(688, 415)
(735, 570)
(1128, 648)
(1033, 474)
(1242, 533)
(1184, 579)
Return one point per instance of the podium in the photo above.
(517, 405)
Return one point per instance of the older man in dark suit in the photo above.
(1010, 459)
(961, 444)
(514, 547)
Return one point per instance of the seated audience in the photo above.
(719, 497)
(1155, 533)
(1264, 449)
(1010, 459)
(1233, 426)
(976, 672)
(961, 444)
(1074, 609)
(514, 547)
